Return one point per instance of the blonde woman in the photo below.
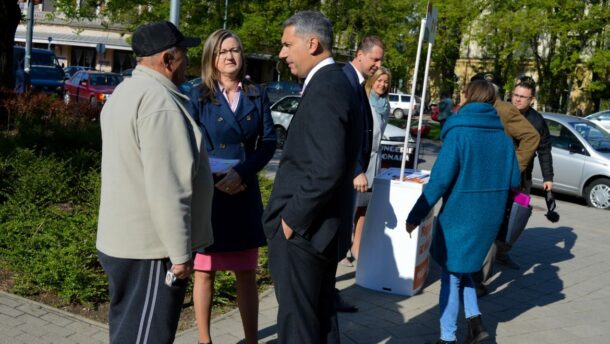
(377, 87)
(237, 124)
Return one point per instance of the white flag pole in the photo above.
(422, 30)
(421, 108)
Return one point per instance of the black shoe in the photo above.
(481, 290)
(342, 306)
(440, 341)
(507, 261)
(476, 331)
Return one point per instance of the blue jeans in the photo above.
(456, 288)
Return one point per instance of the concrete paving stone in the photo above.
(84, 328)
(367, 336)
(32, 309)
(10, 321)
(29, 339)
(10, 311)
(59, 330)
(30, 320)
(85, 339)
(101, 336)
(5, 299)
(9, 331)
(56, 319)
(411, 330)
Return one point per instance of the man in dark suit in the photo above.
(365, 63)
(311, 204)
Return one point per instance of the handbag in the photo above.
(518, 216)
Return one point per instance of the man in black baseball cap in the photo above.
(155, 204)
(153, 38)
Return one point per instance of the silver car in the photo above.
(581, 159)
(602, 118)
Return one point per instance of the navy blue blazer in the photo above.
(365, 109)
(248, 135)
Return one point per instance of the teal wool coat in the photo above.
(473, 173)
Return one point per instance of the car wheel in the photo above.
(280, 132)
(398, 114)
(66, 98)
(597, 194)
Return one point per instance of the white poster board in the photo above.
(390, 260)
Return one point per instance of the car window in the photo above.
(75, 78)
(405, 99)
(598, 138)
(104, 80)
(393, 97)
(287, 105)
(561, 137)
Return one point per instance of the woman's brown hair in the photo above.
(209, 73)
(480, 91)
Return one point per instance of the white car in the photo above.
(284, 109)
(601, 118)
(399, 105)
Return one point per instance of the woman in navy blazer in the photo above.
(236, 120)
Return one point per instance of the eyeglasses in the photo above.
(518, 96)
(226, 52)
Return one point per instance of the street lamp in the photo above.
(50, 40)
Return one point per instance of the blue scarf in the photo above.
(381, 105)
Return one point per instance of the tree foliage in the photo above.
(556, 38)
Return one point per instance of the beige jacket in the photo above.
(157, 187)
(525, 136)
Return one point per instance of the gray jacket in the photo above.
(157, 188)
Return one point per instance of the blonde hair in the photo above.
(209, 72)
(371, 81)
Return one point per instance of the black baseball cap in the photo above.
(149, 39)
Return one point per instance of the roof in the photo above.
(74, 39)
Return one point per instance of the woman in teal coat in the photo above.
(473, 173)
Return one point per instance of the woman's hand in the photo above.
(231, 183)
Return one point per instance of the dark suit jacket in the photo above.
(365, 112)
(248, 135)
(313, 186)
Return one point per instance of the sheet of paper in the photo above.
(218, 165)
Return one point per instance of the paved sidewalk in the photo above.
(560, 295)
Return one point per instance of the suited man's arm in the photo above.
(520, 129)
(324, 132)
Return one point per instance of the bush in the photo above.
(49, 198)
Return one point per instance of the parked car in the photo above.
(601, 118)
(45, 74)
(278, 89)
(70, 70)
(126, 73)
(581, 159)
(187, 86)
(399, 104)
(392, 141)
(92, 87)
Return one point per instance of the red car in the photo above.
(90, 86)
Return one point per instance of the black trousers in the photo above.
(304, 281)
(143, 310)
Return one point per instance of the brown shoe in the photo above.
(476, 331)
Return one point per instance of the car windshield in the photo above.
(104, 79)
(597, 137)
(287, 105)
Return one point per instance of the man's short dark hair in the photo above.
(527, 82)
(313, 22)
(368, 43)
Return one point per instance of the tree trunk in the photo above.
(10, 15)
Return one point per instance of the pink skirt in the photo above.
(231, 261)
